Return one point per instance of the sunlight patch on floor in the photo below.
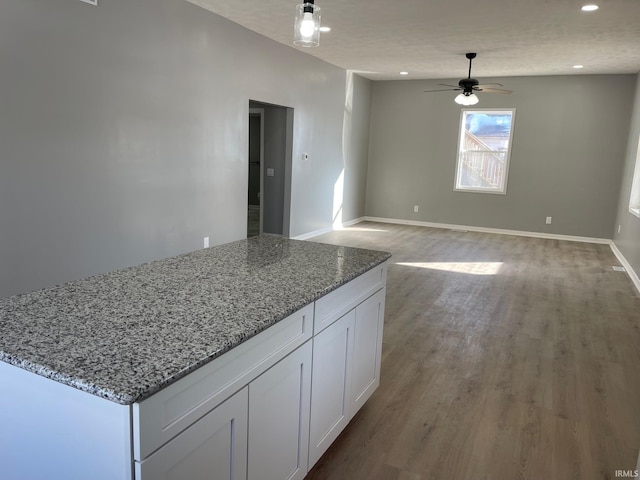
(470, 268)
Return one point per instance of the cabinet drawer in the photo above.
(335, 304)
(212, 449)
(165, 414)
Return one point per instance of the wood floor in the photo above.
(503, 358)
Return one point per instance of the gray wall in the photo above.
(628, 240)
(568, 151)
(356, 145)
(123, 134)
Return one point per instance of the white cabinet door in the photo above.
(213, 448)
(279, 402)
(367, 349)
(330, 384)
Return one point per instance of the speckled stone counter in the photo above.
(127, 334)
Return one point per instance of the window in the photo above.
(634, 201)
(484, 146)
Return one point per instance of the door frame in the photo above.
(286, 214)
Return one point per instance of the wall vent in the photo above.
(91, 2)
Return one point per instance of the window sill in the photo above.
(479, 190)
(635, 211)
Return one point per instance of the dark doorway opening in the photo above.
(270, 156)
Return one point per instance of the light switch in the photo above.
(270, 172)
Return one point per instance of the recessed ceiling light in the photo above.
(404, 73)
(325, 29)
(578, 66)
(590, 8)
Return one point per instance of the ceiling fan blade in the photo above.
(483, 85)
(494, 90)
(447, 85)
(444, 90)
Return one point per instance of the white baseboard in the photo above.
(500, 231)
(315, 233)
(632, 273)
(351, 222)
(331, 228)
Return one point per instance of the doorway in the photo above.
(269, 178)
(256, 161)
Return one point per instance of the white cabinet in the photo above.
(214, 448)
(367, 349)
(338, 302)
(346, 371)
(279, 402)
(331, 384)
(260, 433)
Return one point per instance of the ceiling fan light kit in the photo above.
(306, 30)
(467, 99)
(468, 86)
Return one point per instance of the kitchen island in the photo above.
(189, 367)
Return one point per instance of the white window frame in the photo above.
(499, 191)
(634, 198)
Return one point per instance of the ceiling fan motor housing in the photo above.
(467, 84)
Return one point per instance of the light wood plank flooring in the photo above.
(503, 358)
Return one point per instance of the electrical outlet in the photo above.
(206, 242)
(548, 220)
(416, 208)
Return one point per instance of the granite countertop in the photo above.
(125, 335)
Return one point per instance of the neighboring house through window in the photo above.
(484, 147)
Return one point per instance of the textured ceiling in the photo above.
(428, 38)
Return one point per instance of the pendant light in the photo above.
(306, 31)
(467, 99)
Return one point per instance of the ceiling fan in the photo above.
(468, 86)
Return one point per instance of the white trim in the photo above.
(632, 273)
(507, 154)
(480, 190)
(322, 231)
(634, 196)
(315, 233)
(349, 223)
(519, 233)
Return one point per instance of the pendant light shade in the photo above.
(467, 99)
(306, 31)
